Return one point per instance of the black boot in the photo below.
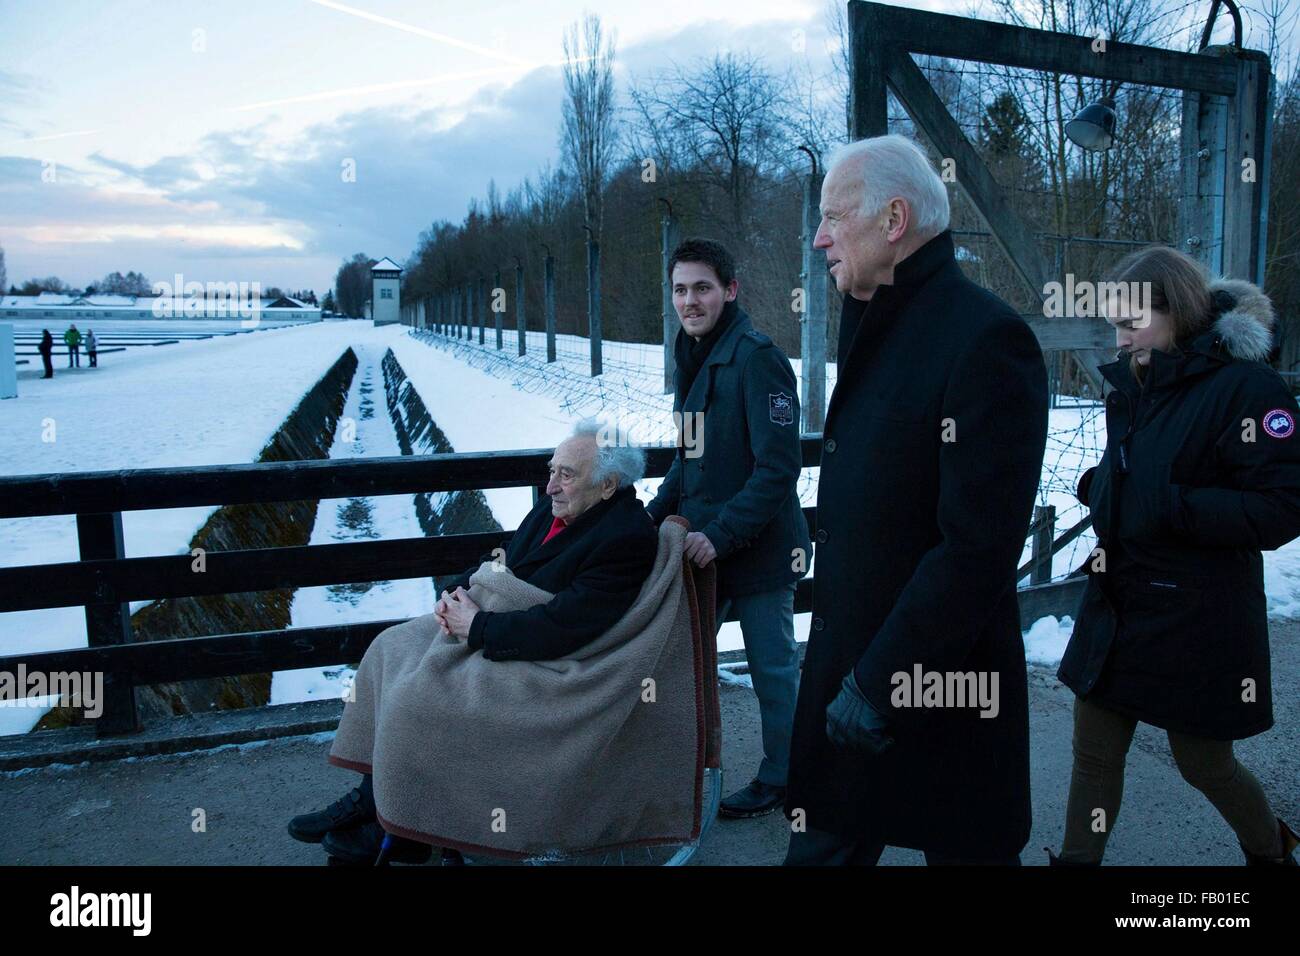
(1054, 860)
(754, 800)
(351, 810)
(1289, 842)
(360, 846)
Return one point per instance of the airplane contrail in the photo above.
(421, 31)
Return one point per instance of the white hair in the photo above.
(615, 453)
(894, 167)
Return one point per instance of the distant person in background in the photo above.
(46, 348)
(72, 339)
(92, 348)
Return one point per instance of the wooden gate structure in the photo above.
(1224, 148)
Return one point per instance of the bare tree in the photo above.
(588, 110)
(588, 126)
(733, 119)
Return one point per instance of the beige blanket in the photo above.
(600, 750)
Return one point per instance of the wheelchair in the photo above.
(701, 585)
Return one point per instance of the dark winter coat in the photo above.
(930, 464)
(1201, 472)
(46, 346)
(741, 491)
(595, 568)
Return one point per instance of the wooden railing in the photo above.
(104, 580)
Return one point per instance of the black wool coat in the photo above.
(1201, 473)
(595, 568)
(741, 492)
(930, 465)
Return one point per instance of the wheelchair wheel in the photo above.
(637, 856)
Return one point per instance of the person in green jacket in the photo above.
(72, 339)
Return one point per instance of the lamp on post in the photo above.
(1093, 128)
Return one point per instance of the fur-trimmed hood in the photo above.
(1245, 320)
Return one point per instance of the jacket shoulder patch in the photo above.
(1279, 423)
(780, 408)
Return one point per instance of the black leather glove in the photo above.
(853, 725)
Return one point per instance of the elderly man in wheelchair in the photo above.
(586, 554)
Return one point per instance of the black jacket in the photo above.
(930, 464)
(595, 568)
(741, 490)
(1173, 628)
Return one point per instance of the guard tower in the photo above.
(386, 292)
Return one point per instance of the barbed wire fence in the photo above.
(1078, 229)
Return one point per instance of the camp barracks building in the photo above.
(50, 305)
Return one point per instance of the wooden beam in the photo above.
(257, 652)
(1245, 192)
(234, 572)
(112, 582)
(221, 655)
(1070, 334)
(1201, 174)
(1058, 599)
(932, 117)
(155, 488)
(868, 98)
(966, 38)
(146, 489)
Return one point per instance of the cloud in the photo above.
(286, 203)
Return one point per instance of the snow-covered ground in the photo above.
(207, 402)
(219, 400)
(204, 402)
(365, 431)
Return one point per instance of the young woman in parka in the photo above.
(1201, 473)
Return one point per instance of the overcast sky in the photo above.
(208, 138)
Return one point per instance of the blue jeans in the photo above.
(767, 623)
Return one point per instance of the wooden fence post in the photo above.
(812, 321)
(550, 306)
(521, 322)
(1044, 534)
(669, 234)
(99, 537)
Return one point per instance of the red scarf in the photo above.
(557, 526)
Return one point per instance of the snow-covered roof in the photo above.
(385, 265)
(49, 300)
(112, 298)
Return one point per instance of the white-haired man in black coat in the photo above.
(912, 723)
